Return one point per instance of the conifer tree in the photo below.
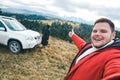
(0, 11)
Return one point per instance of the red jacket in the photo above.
(103, 64)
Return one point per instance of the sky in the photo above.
(88, 10)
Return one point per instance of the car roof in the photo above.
(5, 17)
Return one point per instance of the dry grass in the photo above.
(50, 63)
(51, 21)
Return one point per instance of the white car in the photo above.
(15, 36)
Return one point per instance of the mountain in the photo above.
(77, 20)
(46, 14)
(118, 29)
(20, 11)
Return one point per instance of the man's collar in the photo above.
(109, 43)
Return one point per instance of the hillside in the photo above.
(50, 63)
(68, 22)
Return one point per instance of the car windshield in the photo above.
(14, 25)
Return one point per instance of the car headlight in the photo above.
(29, 38)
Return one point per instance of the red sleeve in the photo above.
(112, 69)
(78, 41)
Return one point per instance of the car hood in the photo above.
(28, 32)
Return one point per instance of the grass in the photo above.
(50, 63)
(51, 21)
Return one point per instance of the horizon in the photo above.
(70, 18)
(87, 10)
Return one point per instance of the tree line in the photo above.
(61, 30)
(58, 29)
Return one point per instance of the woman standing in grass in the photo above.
(45, 36)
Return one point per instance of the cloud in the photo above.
(65, 5)
(85, 9)
(112, 13)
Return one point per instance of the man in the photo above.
(99, 60)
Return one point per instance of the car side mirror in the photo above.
(2, 29)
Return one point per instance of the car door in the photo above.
(3, 34)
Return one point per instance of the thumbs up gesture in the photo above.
(71, 32)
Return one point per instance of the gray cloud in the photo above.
(68, 6)
(65, 5)
(111, 12)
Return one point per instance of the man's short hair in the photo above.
(112, 27)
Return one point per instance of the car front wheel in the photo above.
(15, 47)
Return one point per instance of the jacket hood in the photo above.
(116, 43)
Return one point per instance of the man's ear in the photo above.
(113, 35)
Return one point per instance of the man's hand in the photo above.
(71, 33)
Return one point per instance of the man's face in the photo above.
(101, 34)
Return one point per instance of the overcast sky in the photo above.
(89, 10)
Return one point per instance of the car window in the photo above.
(9, 25)
(14, 25)
(1, 25)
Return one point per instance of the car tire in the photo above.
(15, 46)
